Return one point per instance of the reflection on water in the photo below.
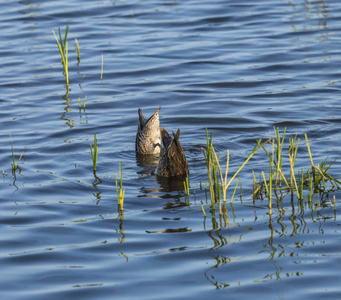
(147, 162)
(288, 230)
(169, 189)
(314, 11)
(120, 229)
(173, 184)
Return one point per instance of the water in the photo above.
(238, 68)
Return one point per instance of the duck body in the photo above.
(172, 160)
(148, 138)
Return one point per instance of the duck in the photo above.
(148, 138)
(172, 160)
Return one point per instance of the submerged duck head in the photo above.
(172, 159)
(148, 139)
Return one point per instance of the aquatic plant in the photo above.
(119, 190)
(315, 180)
(214, 170)
(234, 191)
(203, 209)
(186, 185)
(77, 50)
(80, 83)
(14, 165)
(80, 104)
(94, 153)
(63, 50)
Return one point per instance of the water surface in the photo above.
(237, 68)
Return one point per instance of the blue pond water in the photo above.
(237, 68)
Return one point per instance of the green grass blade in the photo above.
(66, 68)
(61, 51)
(66, 33)
(235, 189)
(61, 40)
(117, 190)
(13, 164)
(203, 209)
(310, 156)
(265, 183)
(257, 147)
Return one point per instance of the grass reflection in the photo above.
(287, 228)
(120, 229)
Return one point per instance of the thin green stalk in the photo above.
(13, 163)
(271, 175)
(279, 166)
(254, 184)
(203, 209)
(186, 185)
(293, 178)
(94, 153)
(311, 158)
(119, 189)
(63, 42)
(310, 187)
(209, 164)
(279, 156)
(257, 147)
(77, 50)
(80, 83)
(241, 192)
(14, 166)
(66, 68)
(80, 103)
(271, 168)
(224, 182)
(235, 189)
(265, 183)
(292, 158)
(63, 50)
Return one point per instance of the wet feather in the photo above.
(148, 140)
(172, 160)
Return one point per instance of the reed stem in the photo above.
(310, 156)
(119, 189)
(77, 50)
(63, 50)
(14, 165)
(94, 153)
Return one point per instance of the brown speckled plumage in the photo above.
(148, 139)
(172, 159)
